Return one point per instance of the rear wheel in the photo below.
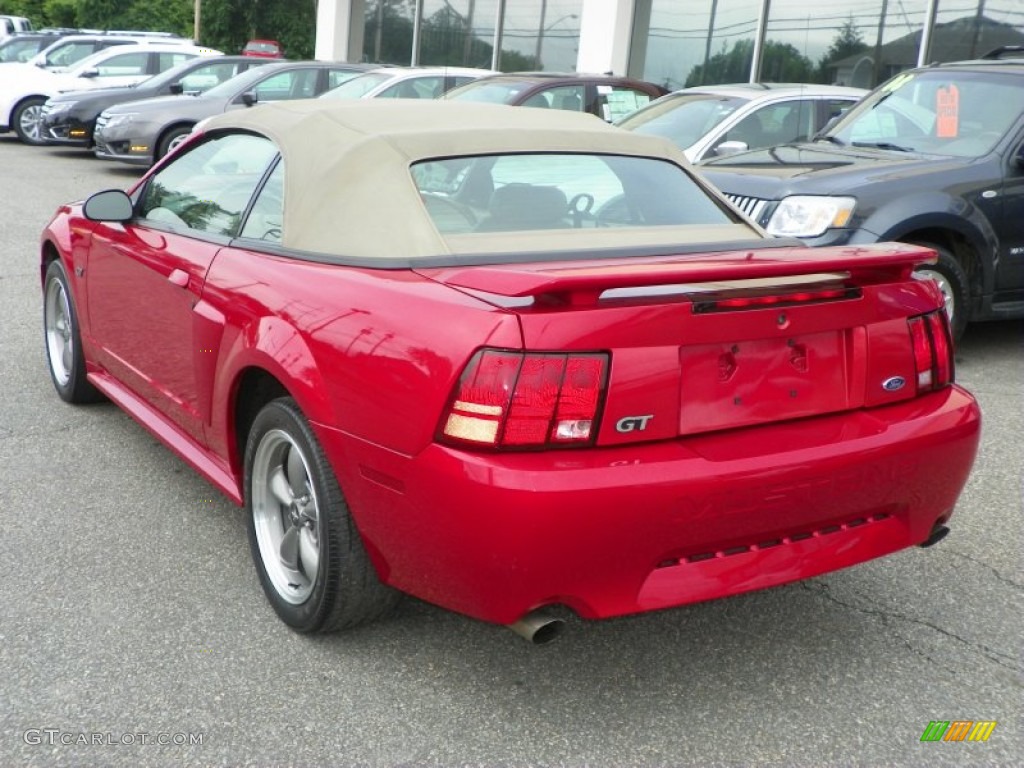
(27, 120)
(308, 553)
(63, 340)
(952, 281)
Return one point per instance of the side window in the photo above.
(207, 188)
(571, 98)
(124, 64)
(294, 84)
(203, 78)
(616, 101)
(167, 60)
(788, 121)
(832, 108)
(266, 218)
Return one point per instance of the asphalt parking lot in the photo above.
(130, 613)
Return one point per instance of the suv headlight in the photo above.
(810, 216)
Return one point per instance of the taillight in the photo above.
(933, 350)
(527, 400)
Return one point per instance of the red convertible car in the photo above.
(505, 360)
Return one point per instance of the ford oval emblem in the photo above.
(894, 384)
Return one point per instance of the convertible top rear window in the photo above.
(525, 192)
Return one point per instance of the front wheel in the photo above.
(27, 121)
(63, 339)
(952, 282)
(308, 553)
(170, 140)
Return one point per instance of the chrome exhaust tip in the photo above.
(538, 627)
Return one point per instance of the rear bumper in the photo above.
(630, 529)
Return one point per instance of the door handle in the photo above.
(178, 277)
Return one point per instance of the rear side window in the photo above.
(523, 192)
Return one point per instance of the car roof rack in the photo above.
(1014, 51)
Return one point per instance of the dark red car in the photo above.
(264, 49)
(504, 360)
(610, 97)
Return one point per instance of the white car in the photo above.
(715, 120)
(405, 83)
(24, 88)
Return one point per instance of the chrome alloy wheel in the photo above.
(60, 348)
(286, 516)
(30, 121)
(177, 141)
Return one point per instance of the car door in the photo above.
(145, 278)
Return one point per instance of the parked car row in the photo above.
(932, 157)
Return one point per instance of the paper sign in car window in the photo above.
(621, 103)
(947, 111)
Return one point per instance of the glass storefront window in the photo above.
(540, 35)
(682, 43)
(968, 29)
(840, 43)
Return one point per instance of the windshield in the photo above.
(66, 53)
(489, 91)
(683, 119)
(246, 80)
(358, 86)
(940, 112)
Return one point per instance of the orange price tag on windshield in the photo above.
(947, 111)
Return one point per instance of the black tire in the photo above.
(171, 139)
(63, 341)
(952, 281)
(26, 120)
(307, 551)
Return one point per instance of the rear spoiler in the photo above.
(582, 283)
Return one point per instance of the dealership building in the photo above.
(676, 43)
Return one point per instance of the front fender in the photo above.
(933, 211)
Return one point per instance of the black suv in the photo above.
(934, 156)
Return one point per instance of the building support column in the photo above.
(339, 30)
(601, 22)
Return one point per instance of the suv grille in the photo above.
(751, 206)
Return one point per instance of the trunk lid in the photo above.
(716, 341)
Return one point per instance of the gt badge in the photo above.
(633, 423)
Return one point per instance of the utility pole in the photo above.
(196, 25)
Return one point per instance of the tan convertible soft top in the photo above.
(349, 191)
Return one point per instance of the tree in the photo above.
(780, 63)
(847, 42)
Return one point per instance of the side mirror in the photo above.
(90, 72)
(730, 148)
(249, 98)
(177, 89)
(111, 205)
